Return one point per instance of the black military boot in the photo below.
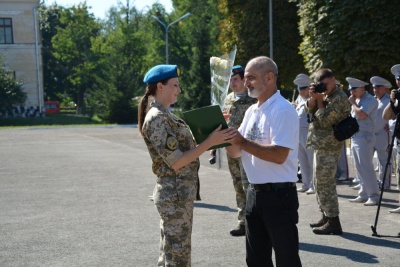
(321, 222)
(240, 230)
(332, 227)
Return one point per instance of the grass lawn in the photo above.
(63, 118)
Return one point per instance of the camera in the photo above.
(212, 160)
(397, 94)
(320, 88)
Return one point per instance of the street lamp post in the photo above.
(166, 28)
(271, 43)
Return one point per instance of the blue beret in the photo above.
(160, 73)
(237, 69)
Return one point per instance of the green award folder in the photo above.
(203, 121)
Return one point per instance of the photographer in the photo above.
(328, 105)
(390, 112)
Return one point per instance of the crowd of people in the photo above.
(21, 111)
(264, 157)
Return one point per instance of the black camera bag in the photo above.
(346, 128)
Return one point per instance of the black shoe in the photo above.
(240, 230)
(332, 227)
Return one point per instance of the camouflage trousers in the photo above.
(325, 163)
(240, 183)
(176, 230)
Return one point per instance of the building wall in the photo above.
(23, 56)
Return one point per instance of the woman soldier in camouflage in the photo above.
(175, 162)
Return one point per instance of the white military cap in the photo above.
(302, 80)
(302, 75)
(396, 71)
(376, 80)
(355, 83)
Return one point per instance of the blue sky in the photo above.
(100, 7)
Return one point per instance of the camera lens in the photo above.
(212, 160)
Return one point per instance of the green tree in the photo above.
(200, 33)
(54, 71)
(72, 46)
(11, 92)
(353, 38)
(120, 49)
(246, 25)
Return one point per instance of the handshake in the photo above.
(213, 158)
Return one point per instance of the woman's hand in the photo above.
(219, 136)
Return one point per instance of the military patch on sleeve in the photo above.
(172, 143)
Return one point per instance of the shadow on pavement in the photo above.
(356, 256)
(214, 207)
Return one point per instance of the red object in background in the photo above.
(52, 107)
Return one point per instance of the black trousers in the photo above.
(271, 218)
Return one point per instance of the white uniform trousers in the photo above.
(306, 158)
(382, 142)
(362, 145)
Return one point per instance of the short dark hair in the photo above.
(322, 74)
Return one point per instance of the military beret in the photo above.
(376, 80)
(302, 80)
(396, 71)
(160, 73)
(237, 69)
(355, 83)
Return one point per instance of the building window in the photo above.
(6, 36)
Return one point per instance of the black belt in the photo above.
(272, 186)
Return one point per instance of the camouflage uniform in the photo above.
(167, 137)
(237, 108)
(327, 148)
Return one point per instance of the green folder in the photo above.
(203, 121)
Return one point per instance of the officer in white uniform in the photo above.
(342, 170)
(382, 132)
(305, 156)
(391, 112)
(364, 107)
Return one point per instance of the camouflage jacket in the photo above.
(167, 137)
(237, 107)
(320, 134)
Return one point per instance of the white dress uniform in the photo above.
(305, 156)
(382, 133)
(342, 171)
(362, 145)
(383, 138)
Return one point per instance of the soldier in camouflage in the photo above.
(236, 104)
(175, 163)
(328, 105)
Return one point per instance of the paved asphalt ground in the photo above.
(78, 196)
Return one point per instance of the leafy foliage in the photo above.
(72, 46)
(246, 24)
(353, 38)
(11, 92)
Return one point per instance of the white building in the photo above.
(20, 45)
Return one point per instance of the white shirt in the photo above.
(274, 122)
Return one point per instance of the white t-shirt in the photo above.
(274, 122)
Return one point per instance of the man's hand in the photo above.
(352, 99)
(237, 139)
(226, 115)
(393, 95)
(314, 96)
